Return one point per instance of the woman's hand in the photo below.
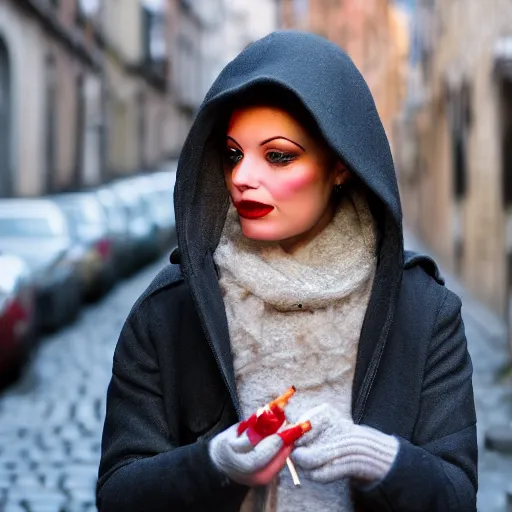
(236, 457)
(336, 448)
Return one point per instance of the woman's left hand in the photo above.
(336, 448)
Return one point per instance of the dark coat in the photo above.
(173, 385)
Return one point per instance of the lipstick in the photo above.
(252, 209)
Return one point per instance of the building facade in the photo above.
(456, 184)
(247, 22)
(204, 35)
(83, 93)
(137, 99)
(44, 60)
(185, 34)
(375, 33)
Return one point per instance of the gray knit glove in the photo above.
(336, 448)
(237, 458)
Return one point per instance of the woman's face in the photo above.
(279, 177)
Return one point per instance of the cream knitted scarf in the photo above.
(296, 320)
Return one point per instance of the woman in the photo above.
(291, 271)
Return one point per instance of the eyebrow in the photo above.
(233, 140)
(281, 137)
(266, 141)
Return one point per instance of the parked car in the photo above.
(87, 223)
(36, 230)
(117, 219)
(162, 183)
(156, 196)
(17, 315)
(142, 228)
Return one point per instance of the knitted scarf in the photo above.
(295, 319)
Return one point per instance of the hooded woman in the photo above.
(291, 270)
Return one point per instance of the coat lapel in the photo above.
(378, 320)
(210, 306)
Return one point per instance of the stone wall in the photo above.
(375, 35)
(466, 230)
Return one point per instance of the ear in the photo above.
(342, 174)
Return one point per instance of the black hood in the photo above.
(327, 83)
(331, 88)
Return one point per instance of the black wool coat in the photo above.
(173, 384)
(166, 400)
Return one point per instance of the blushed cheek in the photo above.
(291, 186)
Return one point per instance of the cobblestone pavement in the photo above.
(493, 406)
(51, 420)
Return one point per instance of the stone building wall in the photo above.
(375, 35)
(26, 43)
(466, 228)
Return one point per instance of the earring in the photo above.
(338, 189)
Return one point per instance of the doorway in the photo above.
(506, 182)
(51, 106)
(5, 121)
(459, 111)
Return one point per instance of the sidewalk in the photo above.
(487, 343)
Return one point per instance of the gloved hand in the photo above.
(336, 448)
(236, 457)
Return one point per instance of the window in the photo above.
(86, 9)
(459, 165)
(460, 117)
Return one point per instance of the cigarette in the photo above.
(293, 472)
(306, 426)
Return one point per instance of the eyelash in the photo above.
(230, 155)
(280, 158)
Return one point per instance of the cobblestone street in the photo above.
(51, 420)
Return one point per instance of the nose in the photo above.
(245, 174)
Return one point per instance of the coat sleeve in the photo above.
(142, 467)
(437, 470)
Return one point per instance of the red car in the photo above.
(17, 314)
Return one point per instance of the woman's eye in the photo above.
(280, 157)
(233, 156)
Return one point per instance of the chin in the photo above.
(263, 231)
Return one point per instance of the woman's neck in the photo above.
(292, 244)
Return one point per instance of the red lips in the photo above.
(252, 209)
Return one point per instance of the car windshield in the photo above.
(30, 227)
(86, 218)
(12, 269)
